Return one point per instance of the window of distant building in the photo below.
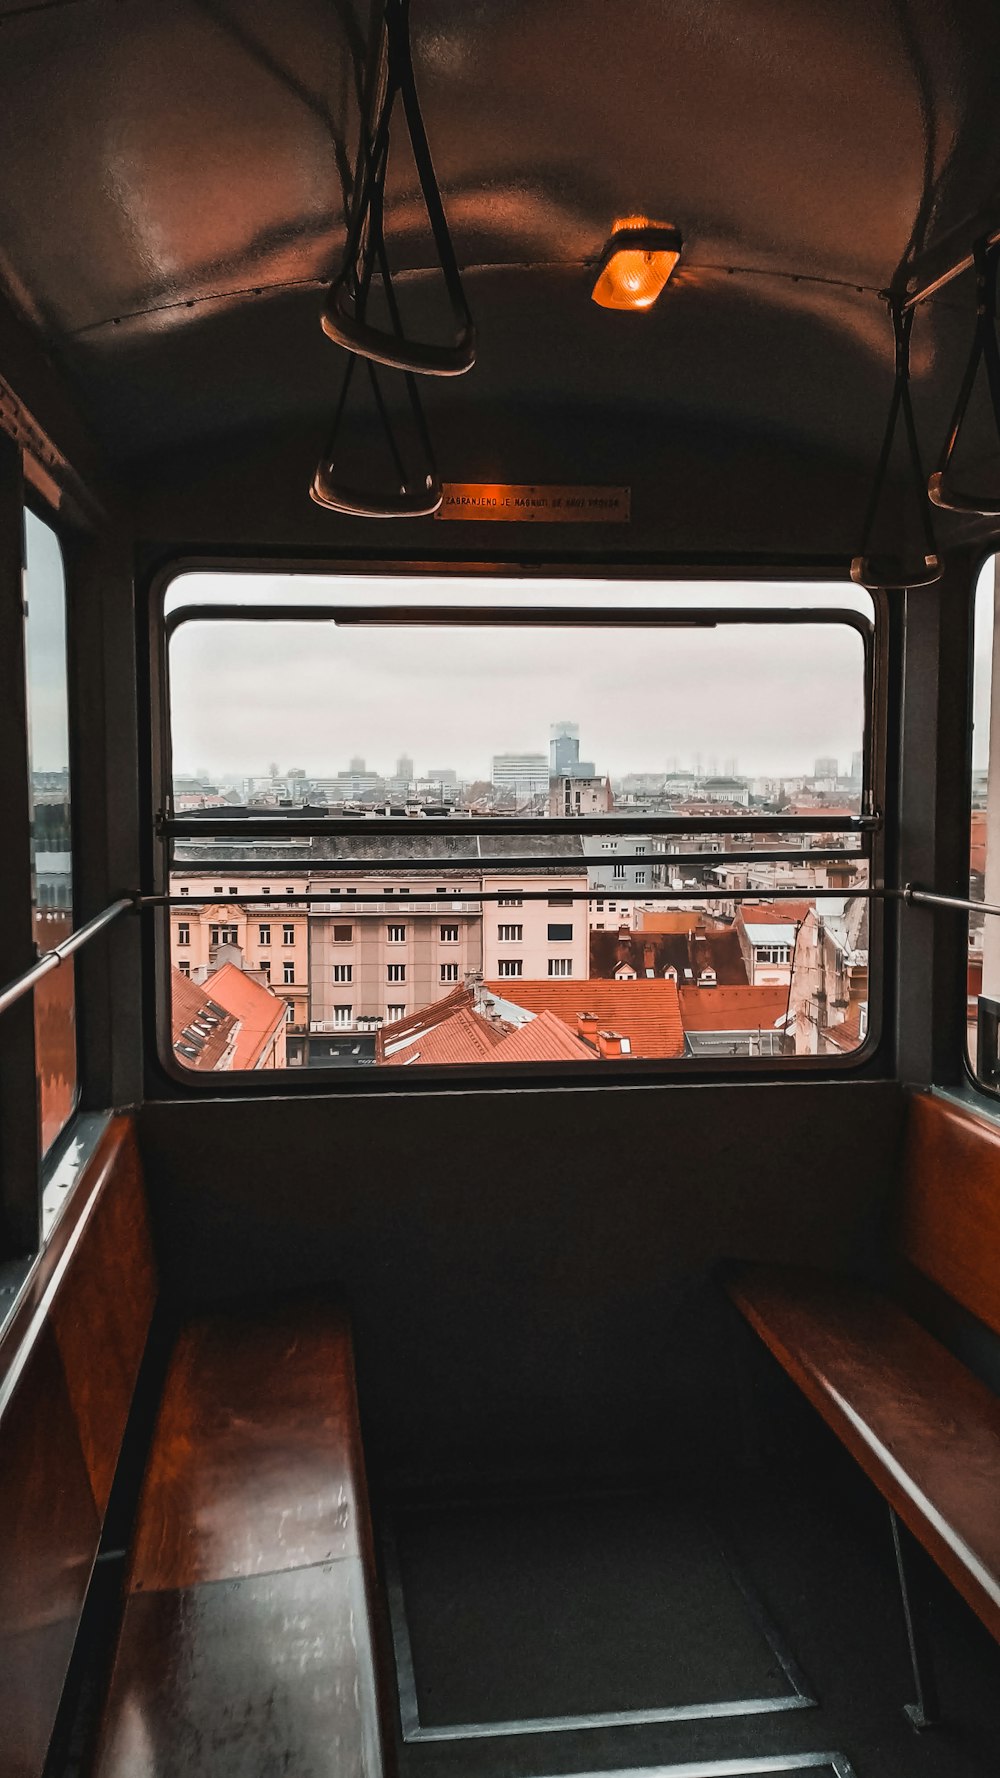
(560, 966)
(233, 890)
(393, 1013)
(510, 966)
(184, 965)
(288, 935)
(343, 935)
(223, 935)
(342, 1015)
(395, 972)
(265, 968)
(264, 935)
(510, 935)
(618, 871)
(343, 972)
(640, 878)
(557, 934)
(560, 901)
(609, 845)
(396, 935)
(449, 972)
(183, 933)
(288, 970)
(185, 889)
(773, 953)
(509, 901)
(449, 935)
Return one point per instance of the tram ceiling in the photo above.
(173, 205)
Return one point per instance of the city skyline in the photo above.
(245, 692)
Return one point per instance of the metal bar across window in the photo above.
(50, 960)
(641, 860)
(300, 827)
(929, 898)
(344, 903)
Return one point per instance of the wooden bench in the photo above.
(922, 1427)
(246, 1642)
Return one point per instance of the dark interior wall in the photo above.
(530, 1273)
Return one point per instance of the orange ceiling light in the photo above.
(636, 263)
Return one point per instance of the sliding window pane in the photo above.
(52, 877)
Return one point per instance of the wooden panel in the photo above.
(48, 1540)
(256, 1461)
(102, 1310)
(950, 1211)
(266, 1675)
(920, 1425)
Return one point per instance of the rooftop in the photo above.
(646, 1012)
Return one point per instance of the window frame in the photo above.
(878, 637)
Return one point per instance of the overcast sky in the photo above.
(45, 643)
(774, 699)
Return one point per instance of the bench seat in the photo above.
(247, 1643)
(923, 1429)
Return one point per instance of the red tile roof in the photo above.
(201, 1028)
(451, 1031)
(846, 1035)
(646, 1012)
(774, 913)
(732, 1009)
(543, 1039)
(259, 1013)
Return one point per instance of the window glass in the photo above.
(52, 873)
(705, 720)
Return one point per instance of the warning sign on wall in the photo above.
(532, 503)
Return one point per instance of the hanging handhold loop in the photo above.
(882, 573)
(418, 495)
(984, 346)
(344, 310)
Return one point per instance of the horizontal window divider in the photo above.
(698, 617)
(516, 827)
(344, 905)
(641, 860)
(49, 960)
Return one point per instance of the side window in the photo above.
(52, 870)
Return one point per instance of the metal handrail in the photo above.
(929, 898)
(49, 960)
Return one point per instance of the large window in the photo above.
(48, 750)
(720, 738)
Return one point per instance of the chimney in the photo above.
(586, 1027)
(649, 959)
(624, 945)
(611, 1045)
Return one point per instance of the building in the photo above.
(521, 775)
(613, 876)
(768, 934)
(828, 1004)
(569, 795)
(270, 935)
(564, 753)
(734, 792)
(826, 768)
(697, 955)
(525, 938)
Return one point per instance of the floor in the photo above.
(751, 1624)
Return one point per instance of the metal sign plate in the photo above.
(534, 503)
